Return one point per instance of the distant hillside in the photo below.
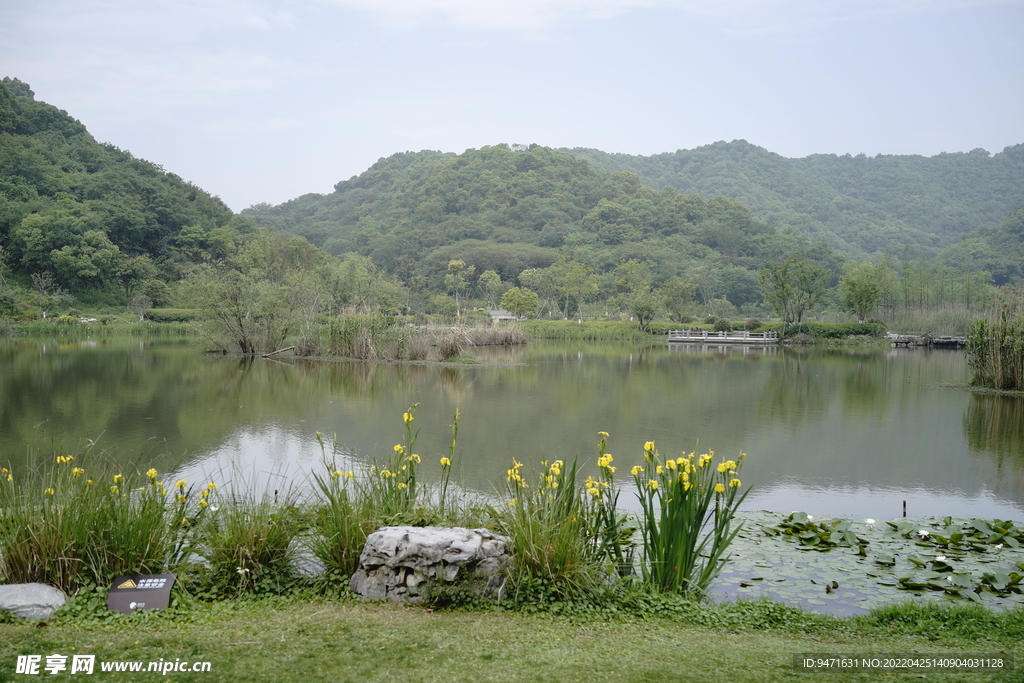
(860, 205)
(91, 215)
(508, 210)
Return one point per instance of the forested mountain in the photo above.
(504, 209)
(91, 216)
(858, 204)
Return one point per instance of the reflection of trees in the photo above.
(995, 425)
(863, 387)
(791, 393)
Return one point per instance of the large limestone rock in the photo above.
(35, 601)
(401, 563)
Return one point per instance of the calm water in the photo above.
(838, 432)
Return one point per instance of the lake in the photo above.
(838, 431)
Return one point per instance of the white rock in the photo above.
(35, 601)
(402, 563)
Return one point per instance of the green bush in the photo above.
(171, 315)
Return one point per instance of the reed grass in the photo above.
(552, 553)
(78, 520)
(995, 352)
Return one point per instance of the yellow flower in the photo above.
(180, 484)
(10, 477)
(402, 485)
(118, 478)
(77, 472)
(114, 489)
(605, 460)
(652, 484)
(49, 492)
(399, 448)
(719, 488)
(670, 464)
(637, 469)
(211, 486)
(337, 473)
(202, 503)
(686, 485)
(512, 501)
(204, 493)
(649, 446)
(89, 481)
(385, 474)
(407, 418)
(722, 468)
(446, 462)
(414, 458)
(733, 483)
(65, 458)
(151, 473)
(351, 474)
(604, 434)
(180, 499)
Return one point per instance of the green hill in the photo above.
(92, 216)
(860, 205)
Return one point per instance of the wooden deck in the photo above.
(734, 337)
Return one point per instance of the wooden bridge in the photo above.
(734, 337)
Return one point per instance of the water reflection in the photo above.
(835, 431)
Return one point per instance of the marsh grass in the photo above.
(250, 546)
(552, 553)
(995, 352)
(78, 520)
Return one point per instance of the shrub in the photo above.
(171, 315)
(710, 320)
(752, 325)
(723, 325)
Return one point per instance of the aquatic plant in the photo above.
(687, 508)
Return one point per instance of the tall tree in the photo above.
(861, 289)
(793, 286)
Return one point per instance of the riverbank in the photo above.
(342, 639)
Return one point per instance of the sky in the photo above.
(263, 101)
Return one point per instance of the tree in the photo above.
(575, 281)
(138, 305)
(793, 286)
(677, 297)
(490, 281)
(861, 290)
(633, 277)
(520, 301)
(456, 279)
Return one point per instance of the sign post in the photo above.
(140, 591)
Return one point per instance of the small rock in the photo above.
(34, 601)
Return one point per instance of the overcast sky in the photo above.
(264, 101)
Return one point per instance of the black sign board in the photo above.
(140, 591)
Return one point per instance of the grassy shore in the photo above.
(295, 639)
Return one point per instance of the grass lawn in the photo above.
(346, 640)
